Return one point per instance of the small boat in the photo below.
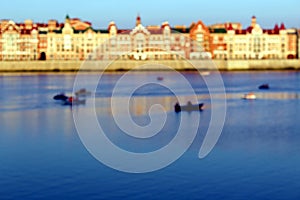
(60, 96)
(188, 107)
(249, 96)
(71, 101)
(160, 78)
(264, 87)
(83, 92)
(204, 73)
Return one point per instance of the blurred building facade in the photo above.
(78, 40)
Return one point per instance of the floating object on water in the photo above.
(160, 78)
(71, 101)
(264, 87)
(204, 73)
(188, 107)
(82, 92)
(249, 96)
(60, 96)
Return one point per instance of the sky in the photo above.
(154, 12)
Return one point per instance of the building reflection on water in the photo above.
(140, 105)
(267, 95)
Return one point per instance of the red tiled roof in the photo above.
(229, 28)
(271, 31)
(25, 32)
(249, 29)
(124, 31)
(155, 31)
(282, 27)
(244, 31)
(41, 25)
(87, 22)
(275, 30)
(276, 27)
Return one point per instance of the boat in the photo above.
(188, 107)
(60, 96)
(82, 92)
(264, 87)
(160, 78)
(249, 96)
(71, 101)
(204, 73)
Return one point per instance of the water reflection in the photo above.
(256, 157)
(140, 105)
(267, 95)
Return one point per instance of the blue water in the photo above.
(257, 155)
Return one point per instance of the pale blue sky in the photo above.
(154, 12)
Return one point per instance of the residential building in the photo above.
(254, 42)
(19, 41)
(298, 44)
(78, 40)
(141, 43)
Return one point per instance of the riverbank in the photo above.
(124, 65)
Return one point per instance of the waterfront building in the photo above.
(18, 41)
(141, 43)
(75, 40)
(254, 42)
(218, 42)
(298, 44)
(78, 40)
(201, 45)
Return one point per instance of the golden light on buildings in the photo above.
(77, 40)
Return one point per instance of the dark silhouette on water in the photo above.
(160, 78)
(69, 100)
(188, 107)
(60, 96)
(264, 87)
(72, 101)
(83, 92)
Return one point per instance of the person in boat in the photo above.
(160, 78)
(73, 99)
(70, 99)
(188, 107)
(264, 86)
(60, 96)
(177, 107)
(82, 92)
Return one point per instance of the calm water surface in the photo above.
(256, 157)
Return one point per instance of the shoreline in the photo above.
(148, 65)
